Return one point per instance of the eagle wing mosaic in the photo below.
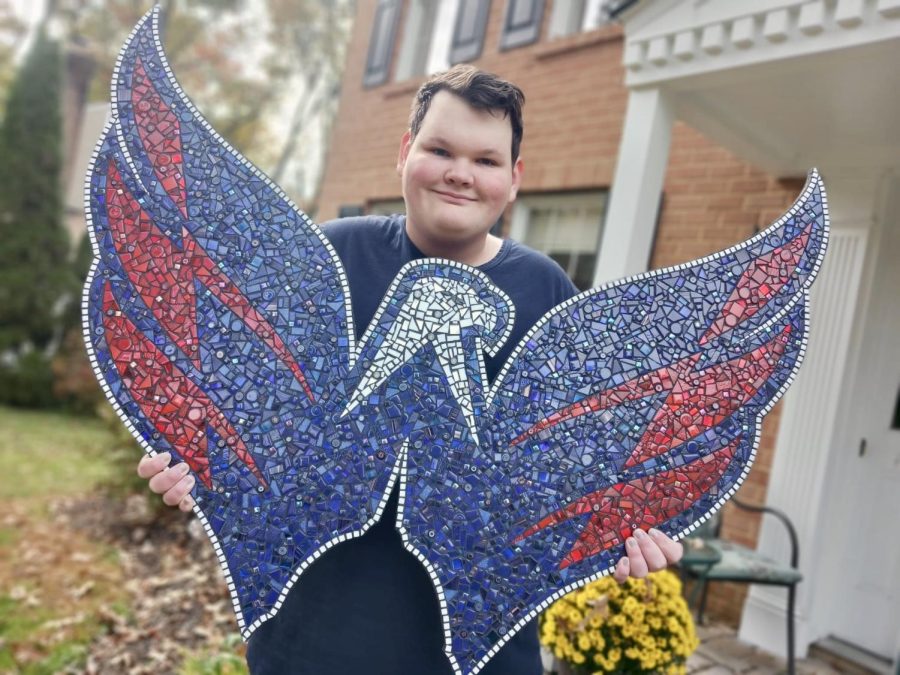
(218, 321)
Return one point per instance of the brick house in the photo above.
(622, 175)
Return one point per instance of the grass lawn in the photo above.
(43, 455)
(65, 593)
(53, 581)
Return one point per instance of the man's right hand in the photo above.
(174, 482)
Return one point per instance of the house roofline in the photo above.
(617, 8)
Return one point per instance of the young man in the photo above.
(368, 606)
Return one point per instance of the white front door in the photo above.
(866, 534)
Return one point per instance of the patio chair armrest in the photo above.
(781, 516)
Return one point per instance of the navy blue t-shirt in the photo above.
(367, 606)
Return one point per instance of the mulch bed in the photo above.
(177, 601)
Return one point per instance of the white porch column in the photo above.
(637, 186)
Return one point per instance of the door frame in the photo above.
(844, 452)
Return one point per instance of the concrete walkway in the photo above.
(721, 653)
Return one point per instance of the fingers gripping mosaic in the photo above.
(218, 321)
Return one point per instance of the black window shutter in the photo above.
(522, 23)
(381, 42)
(468, 33)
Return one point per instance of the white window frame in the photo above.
(442, 37)
(585, 201)
(386, 207)
(568, 17)
(418, 29)
(594, 15)
(427, 38)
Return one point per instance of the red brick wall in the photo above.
(712, 200)
(573, 120)
(573, 115)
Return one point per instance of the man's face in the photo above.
(457, 174)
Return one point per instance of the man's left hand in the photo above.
(647, 552)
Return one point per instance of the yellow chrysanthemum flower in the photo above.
(642, 625)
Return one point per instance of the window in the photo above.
(522, 24)
(574, 16)
(381, 42)
(566, 227)
(419, 35)
(350, 210)
(387, 207)
(468, 30)
(439, 33)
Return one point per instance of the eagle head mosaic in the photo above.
(218, 321)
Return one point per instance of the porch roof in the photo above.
(784, 84)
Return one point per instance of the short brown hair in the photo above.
(481, 90)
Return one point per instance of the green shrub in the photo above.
(74, 383)
(27, 383)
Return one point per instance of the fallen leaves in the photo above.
(135, 589)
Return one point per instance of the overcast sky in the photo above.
(28, 10)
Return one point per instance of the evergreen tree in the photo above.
(74, 386)
(35, 270)
(79, 266)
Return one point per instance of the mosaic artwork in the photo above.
(218, 321)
